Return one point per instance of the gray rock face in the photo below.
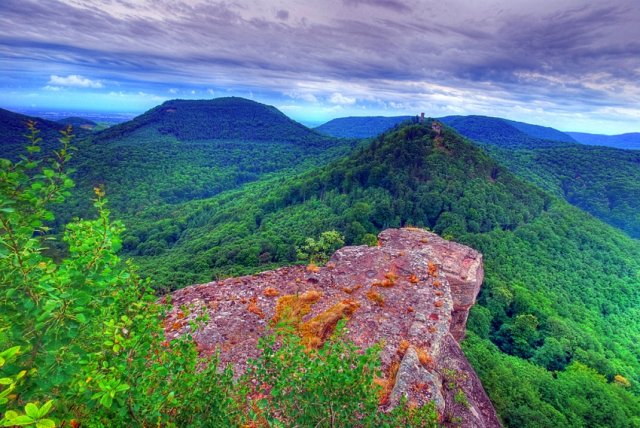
(413, 292)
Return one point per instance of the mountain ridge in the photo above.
(629, 141)
(230, 118)
(360, 126)
(13, 128)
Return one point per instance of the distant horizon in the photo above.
(95, 115)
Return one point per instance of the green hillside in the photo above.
(13, 127)
(360, 127)
(543, 132)
(496, 131)
(229, 118)
(557, 318)
(189, 150)
(630, 141)
(603, 181)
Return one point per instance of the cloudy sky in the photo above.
(571, 64)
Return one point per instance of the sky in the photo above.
(570, 64)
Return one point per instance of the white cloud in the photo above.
(338, 98)
(173, 91)
(74, 80)
(52, 88)
(304, 96)
(210, 92)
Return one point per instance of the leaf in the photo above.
(106, 401)
(122, 387)
(8, 353)
(22, 420)
(45, 423)
(46, 407)
(32, 410)
(10, 414)
(6, 381)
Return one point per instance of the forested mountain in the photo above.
(543, 132)
(601, 180)
(229, 118)
(558, 313)
(498, 132)
(623, 141)
(189, 150)
(360, 127)
(371, 126)
(13, 128)
(551, 159)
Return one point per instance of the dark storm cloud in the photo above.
(562, 54)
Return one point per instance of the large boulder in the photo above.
(412, 292)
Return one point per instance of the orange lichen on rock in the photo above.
(424, 357)
(375, 297)
(270, 292)
(315, 331)
(437, 283)
(388, 281)
(387, 383)
(313, 268)
(438, 303)
(414, 279)
(177, 325)
(403, 346)
(432, 269)
(353, 289)
(254, 308)
(291, 308)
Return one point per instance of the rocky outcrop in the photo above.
(413, 292)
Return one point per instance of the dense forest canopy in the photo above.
(603, 181)
(554, 333)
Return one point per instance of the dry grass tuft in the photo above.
(318, 329)
(291, 308)
(254, 308)
(270, 292)
(375, 297)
